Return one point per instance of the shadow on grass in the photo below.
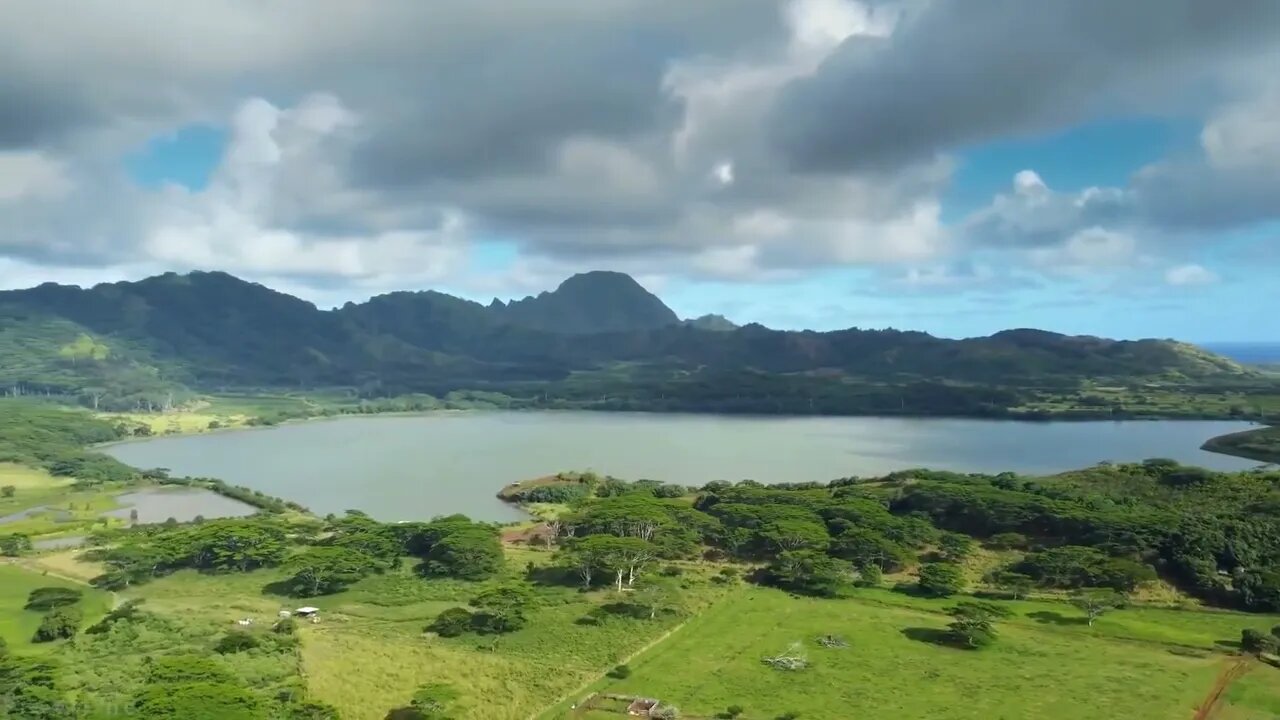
(1052, 618)
(279, 588)
(932, 636)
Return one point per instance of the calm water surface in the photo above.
(414, 467)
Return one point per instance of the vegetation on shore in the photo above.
(1261, 444)
(986, 589)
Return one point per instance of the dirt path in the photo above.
(1209, 707)
(597, 678)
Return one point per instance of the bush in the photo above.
(1256, 641)
(63, 622)
(1008, 541)
(620, 672)
(666, 712)
(48, 598)
(236, 641)
(733, 711)
(451, 623)
(940, 579)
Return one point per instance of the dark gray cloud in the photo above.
(726, 138)
(962, 71)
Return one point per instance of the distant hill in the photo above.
(714, 323)
(593, 302)
(598, 335)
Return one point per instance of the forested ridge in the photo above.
(600, 341)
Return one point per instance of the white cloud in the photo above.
(1092, 249)
(30, 175)
(1188, 275)
(253, 216)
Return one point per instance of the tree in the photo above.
(451, 622)
(656, 597)
(8, 491)
(955, 547)
(795, 534)
(48, 598)
(1096, 602)
(62, 622)
(972, 627)
(15, 545)
(941, 579)
(864, 546)
(869, 575)
(501, 609)
(621, 556)
(328, 569)
(473, 552)
(1016, 584)
(809, 573)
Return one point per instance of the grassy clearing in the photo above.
(18, 625)
(65, 563)
(24, 478)
(1046, 664)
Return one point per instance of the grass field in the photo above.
(1047, 663)
(18, 625)
(370, 652)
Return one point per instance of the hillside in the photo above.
(598, 334)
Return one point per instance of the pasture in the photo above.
(370, 651)
(17, 625)
(1047, 663)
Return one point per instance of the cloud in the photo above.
(956, 72)
(26, 175)
(740, 140)
(275, 186)
(1189, 275)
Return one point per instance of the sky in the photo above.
(953, 166)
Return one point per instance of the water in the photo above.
(414, 467)
(155, 505)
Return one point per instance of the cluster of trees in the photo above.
(248, 496)
(815, 538)
(1216, 535)
(225, 545)
(48, 437)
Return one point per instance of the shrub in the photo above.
(941, 579)
(1256, 641)
(451, 623)
(59, 623)
(620, 672)
(48, 598)
(236, 641)
(1008, 541)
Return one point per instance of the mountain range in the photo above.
(596, 332)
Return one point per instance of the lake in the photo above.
(414, 467)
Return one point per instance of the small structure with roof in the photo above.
(642, 707)
(307, 611)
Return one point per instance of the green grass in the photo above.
(369, 653)
(1051, 667)
(18, 625)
